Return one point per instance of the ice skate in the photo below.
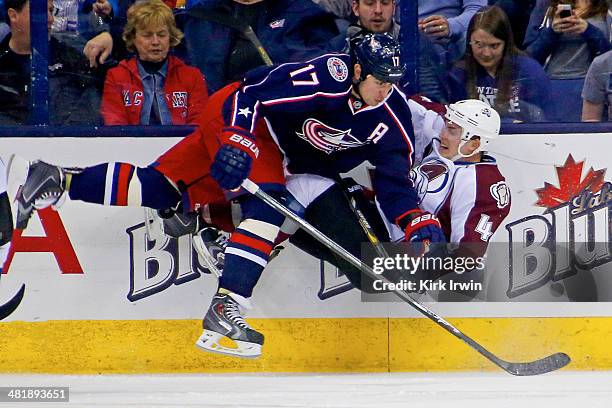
(209, 242)
(34, 185)
(210, 245)
(224, 321)
(162, 223)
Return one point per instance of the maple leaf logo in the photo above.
(571, 184)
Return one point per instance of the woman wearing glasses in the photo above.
(495, 71)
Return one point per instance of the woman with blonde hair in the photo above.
(153, 87)
(495, 71)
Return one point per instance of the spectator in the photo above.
(377, 16)
(74, 90)
(153, 87)
(289, 30)
(15, 53)
(497, 72)
(597, 91)
(567, 46)
(445, 22)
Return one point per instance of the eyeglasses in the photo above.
(481, 45)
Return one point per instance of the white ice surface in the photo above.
(419, 390)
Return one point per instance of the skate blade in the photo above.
(17, 173)
(204, 256)
(154, 225)
(209, 341)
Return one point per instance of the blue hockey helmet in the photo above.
(379, 55)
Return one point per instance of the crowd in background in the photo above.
(120, 62)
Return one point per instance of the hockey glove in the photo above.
(423, 227)
(233, 161)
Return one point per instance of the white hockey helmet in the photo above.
(476, 118)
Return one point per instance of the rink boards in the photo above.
(99, 299)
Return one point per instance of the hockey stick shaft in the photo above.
(363, 222)
(236, 24)
(550, 363)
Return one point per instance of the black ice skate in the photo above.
(208, 241)
(34, 185)
(224, 319)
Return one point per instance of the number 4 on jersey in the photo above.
(484, 228)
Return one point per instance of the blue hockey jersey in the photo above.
(321, 128)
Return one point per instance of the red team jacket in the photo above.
(185, 89)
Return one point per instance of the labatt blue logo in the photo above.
(572, 235)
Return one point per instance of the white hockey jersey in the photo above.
(471, 200)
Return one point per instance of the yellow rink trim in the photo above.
(298, 345)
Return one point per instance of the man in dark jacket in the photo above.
(74, 89)
(15, 54)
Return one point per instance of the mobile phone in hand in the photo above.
(565, 10)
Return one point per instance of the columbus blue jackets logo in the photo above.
(337, 68)
(326, 138)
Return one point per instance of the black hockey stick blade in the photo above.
(9, 307)
(541, 366)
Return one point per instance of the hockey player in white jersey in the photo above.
(458, 181)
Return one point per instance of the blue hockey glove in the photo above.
(233, 161)
(423, 227)
(230, 167)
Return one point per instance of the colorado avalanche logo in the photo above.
(337, 68)
(326, 138)
(430, 177)
(501, 193)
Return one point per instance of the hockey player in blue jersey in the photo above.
(454, 178)
(320, 117)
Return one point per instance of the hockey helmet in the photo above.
(379, 55)
(476, 118)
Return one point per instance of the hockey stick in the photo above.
(365, 225)
(544, 365)
(9, 307)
